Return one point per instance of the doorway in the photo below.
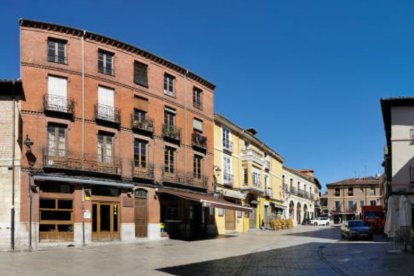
(253, 218)
(141, 213)
(230, 219)
(105, 221)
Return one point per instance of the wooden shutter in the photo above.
(141, 103)
(140, 73)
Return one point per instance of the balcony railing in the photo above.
(146, 124)
(69, 160)
(171, 132)
(107, 113)
(57, 59)
(57, 103)
(228, 179)
(199, 141)
(252, 155)
(301, 193)
(146, 172)
(293, 190)
(228, 146)
(179, 177)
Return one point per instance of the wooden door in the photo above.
(105, 221)
(230, 216)
(141, 213)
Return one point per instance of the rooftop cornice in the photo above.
(244, 134)
(116, 43)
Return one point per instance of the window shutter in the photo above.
(198, 125)
(105, 96)
(57, 86)
(141, 103)
(140, 73)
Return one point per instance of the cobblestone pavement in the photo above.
(305, 250)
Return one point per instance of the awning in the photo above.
(75, 180)
(206, 200)
(233, 194)
(278, 205)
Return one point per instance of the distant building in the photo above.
(301, 190)
(346, 197)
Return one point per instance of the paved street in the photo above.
(306, 250)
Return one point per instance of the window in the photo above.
(197, 166)
(256, 178)
(291, 185)
(337, 205)
(56, 51)
(197, 103)
(141, 73)
(56, 219)
(57, 93)
(56, 141)
(350, 191)
(372, 190)
(227, 169)
(140, 153)
(105, 148)
(105, 62)
(337, 192)
(245, 176)
(169, 116)
(350, 205)
(106, 109)
(140, 109)
(226, 139)
(169, 157)
(362, 203)
(198, 125)
(169, 85)
(373, 202)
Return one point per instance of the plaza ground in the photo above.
(305, 250)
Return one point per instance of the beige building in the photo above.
(346, 197)
(10, 95)
(301, 194)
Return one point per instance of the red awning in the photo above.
(206, 200)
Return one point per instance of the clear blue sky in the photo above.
(308, 75)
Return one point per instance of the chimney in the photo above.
(252, 131)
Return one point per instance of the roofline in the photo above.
(307, 177)
(350, 181)
(386, 104)
(12, 87)
(221, 119)
(113, 42)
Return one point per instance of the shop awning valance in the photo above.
(205, 200)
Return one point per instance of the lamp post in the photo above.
(31, 160)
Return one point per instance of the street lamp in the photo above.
(31, 159)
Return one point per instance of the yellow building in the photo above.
(247, 172)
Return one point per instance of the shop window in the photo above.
(56, 219)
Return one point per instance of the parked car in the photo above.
(320, 221)
(306, 221)
(356, 229)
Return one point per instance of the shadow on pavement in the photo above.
(306, 259)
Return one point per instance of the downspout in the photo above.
(185, 122)
(13, 168)
(83, 133)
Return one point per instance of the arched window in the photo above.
(141, 193)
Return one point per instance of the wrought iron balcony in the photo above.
(171, 132)
(228, 179)
(199, 141)
(106, 113)
(146, 172)
(146, 124)
(179, 177)
(57, 59)
(59, 104)
(69, 160)
(293, 190)
(301, 193)
(228, 146)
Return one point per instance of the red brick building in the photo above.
(121, 140)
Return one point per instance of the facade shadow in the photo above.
(304, 259)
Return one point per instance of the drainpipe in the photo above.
(13, 169)
(83, 133)
(185, 122)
